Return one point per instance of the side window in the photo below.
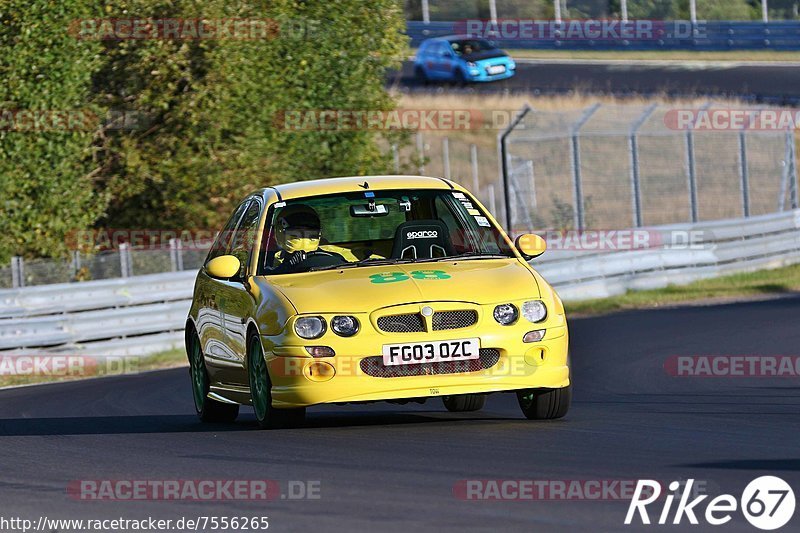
(245, 236)
(222, 242)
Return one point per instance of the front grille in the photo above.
(408, 323)
(454, 319)
(373, 366)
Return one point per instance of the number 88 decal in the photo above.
(392, 277)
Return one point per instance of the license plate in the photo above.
(496, 69)
(413, 353)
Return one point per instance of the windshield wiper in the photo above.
(471, 255)
(363, 262)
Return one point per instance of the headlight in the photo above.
(512, 66)
(534, 311)
(310, 327)
(505, 314)
(345, 326)
(470, 64)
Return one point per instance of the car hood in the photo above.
(486, 54)
(365, 289)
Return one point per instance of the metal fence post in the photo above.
(17, 272)
(502, 152)
(473, 159)
(421, 153)
(690, 175)
(690, 168)
(173, 254)
(532, 181)
(744, 173)
(633, 150)
(492, 200)
(446, 157)
(396, 159)
(76, 263)
(577, 186)
(792, 168)
(123, 259)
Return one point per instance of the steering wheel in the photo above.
(325, 253)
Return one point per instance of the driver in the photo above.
(297, 232)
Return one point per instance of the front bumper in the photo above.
(479, 74)
(299, 380)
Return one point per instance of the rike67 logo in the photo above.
(767, 503)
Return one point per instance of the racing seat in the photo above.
(422, 239)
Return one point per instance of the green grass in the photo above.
(784, 280)
(121, 366)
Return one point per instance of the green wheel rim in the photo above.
(258, 379)
(199, 376)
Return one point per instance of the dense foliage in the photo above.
(185, 126)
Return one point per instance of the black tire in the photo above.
(207, 410)
(459, 79)
(463, 403)
(419, 73)
(267, 416)
(545, 404)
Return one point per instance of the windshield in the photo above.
(470, 46)
(382, 227)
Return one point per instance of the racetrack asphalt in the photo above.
(389, 467)
(763, 83)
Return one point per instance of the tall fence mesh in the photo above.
(621, 166)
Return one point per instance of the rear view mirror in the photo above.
(369, 210)
(530, 245)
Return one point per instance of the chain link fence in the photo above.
(622, 166)
(123, 262)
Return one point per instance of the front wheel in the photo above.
(545, 404)
(463, 403)
(207, 410)
(267, 416)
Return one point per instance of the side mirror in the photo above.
(530, 245)
(223, 267)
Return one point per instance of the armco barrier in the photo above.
(712, 35)
(146, 314)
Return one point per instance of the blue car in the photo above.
(461, 59)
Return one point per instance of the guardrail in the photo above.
(711, 35)
(146, 314)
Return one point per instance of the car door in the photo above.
(236, 301)
(209, 320)
(446, 61)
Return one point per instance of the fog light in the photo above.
(320, 351)
(534, 336)
(320, 371)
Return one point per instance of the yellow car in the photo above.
(361, 289)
